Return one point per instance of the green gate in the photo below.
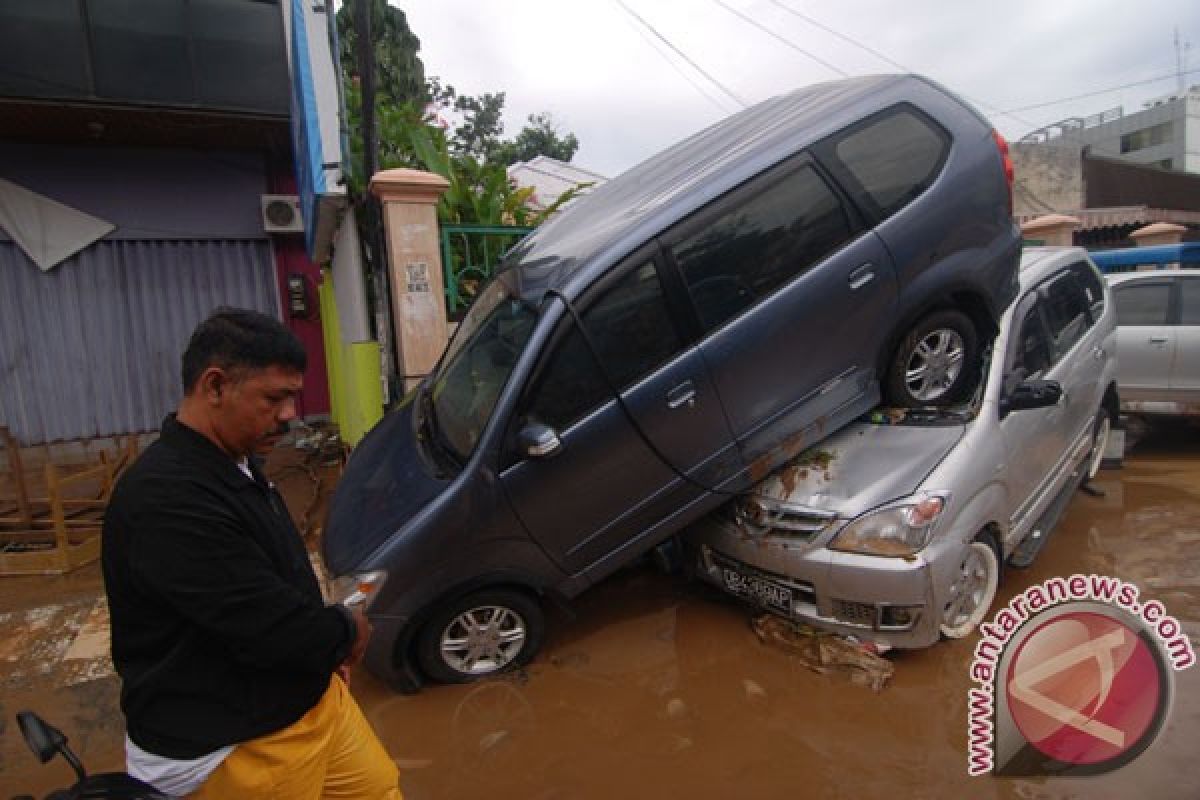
(470, 254)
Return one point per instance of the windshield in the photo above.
(477, 365)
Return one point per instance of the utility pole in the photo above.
(373, 242)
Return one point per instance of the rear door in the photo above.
(791, 299)
(606, 490)
(1185, 369)
(1145, 338)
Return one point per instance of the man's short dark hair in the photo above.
(233, 338)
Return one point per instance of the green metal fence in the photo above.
(470, 254)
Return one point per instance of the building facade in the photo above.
(158, 125)
(1165, 134)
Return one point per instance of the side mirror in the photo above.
(536, 440)
(1032, 394)
(45, 740)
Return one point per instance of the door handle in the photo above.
(861, 276)
(1159, 339)
(682, 395)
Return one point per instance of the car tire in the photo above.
(973, 590)
(479, 635)
(935, 364)
(1100, 431)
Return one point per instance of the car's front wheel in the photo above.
(936, 363)
(479, 635)
(973, 589)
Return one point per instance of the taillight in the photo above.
(1002, 145)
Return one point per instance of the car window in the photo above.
(1031, 351)
(1189, 301)
(894, 158)
(1143, 303)
(1066, 312)
(1093, 286)
(747, 252)
(632, 332)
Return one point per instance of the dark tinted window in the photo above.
(1066, 312)
(633, 334)
(140, 50)
(1032, 353)
(1093, 287)
(747, 252)
(1189, 301)
(1143, 303)
(43, 46)
(894, 158)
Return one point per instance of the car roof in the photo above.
(1115, 278)
(577, 245)
(1038, 262)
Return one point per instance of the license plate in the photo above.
(763, 592)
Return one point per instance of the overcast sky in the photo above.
(627, 94)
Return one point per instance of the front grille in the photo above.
(776, 518)
(854, 613)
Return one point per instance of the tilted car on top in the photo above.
(665, 342)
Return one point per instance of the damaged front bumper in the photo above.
(889, 600)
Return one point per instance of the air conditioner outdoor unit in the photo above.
(281, 213)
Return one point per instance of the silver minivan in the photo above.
(895, 528)
(1158, 340)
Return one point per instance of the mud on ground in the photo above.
(653, 687)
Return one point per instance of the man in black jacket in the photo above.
(232, 666)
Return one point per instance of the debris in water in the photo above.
(824, 652)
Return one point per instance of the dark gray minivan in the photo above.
(665, 342)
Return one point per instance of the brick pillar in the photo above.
(409, 199)
(1054, 230)
(1158, 233)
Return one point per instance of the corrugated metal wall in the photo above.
(92, 348)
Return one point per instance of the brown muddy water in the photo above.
(658, 688)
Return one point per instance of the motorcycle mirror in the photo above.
(45, 740)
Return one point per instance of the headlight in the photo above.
(358, 589)
(900, 529)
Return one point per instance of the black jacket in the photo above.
(219, 632)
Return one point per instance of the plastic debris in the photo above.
(827, 653)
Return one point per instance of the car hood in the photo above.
(862, 467)
(385, 484)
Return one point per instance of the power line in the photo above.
(1101, 91)
(674, 65)
(782, 39)
(841, 36)
(882, 57)
(681, 54)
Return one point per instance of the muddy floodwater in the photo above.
(652, 687)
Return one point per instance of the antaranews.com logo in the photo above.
(1075, 677)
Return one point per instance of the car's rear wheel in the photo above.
(1100, 431)
(973, 590)
(479, 635)
(936, 363)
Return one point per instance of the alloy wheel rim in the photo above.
(969, 590)
(934, 364)
(483, 640)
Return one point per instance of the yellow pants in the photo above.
(330, 752)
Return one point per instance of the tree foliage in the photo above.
(425, 124)
(539, 137)
(399, 72)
